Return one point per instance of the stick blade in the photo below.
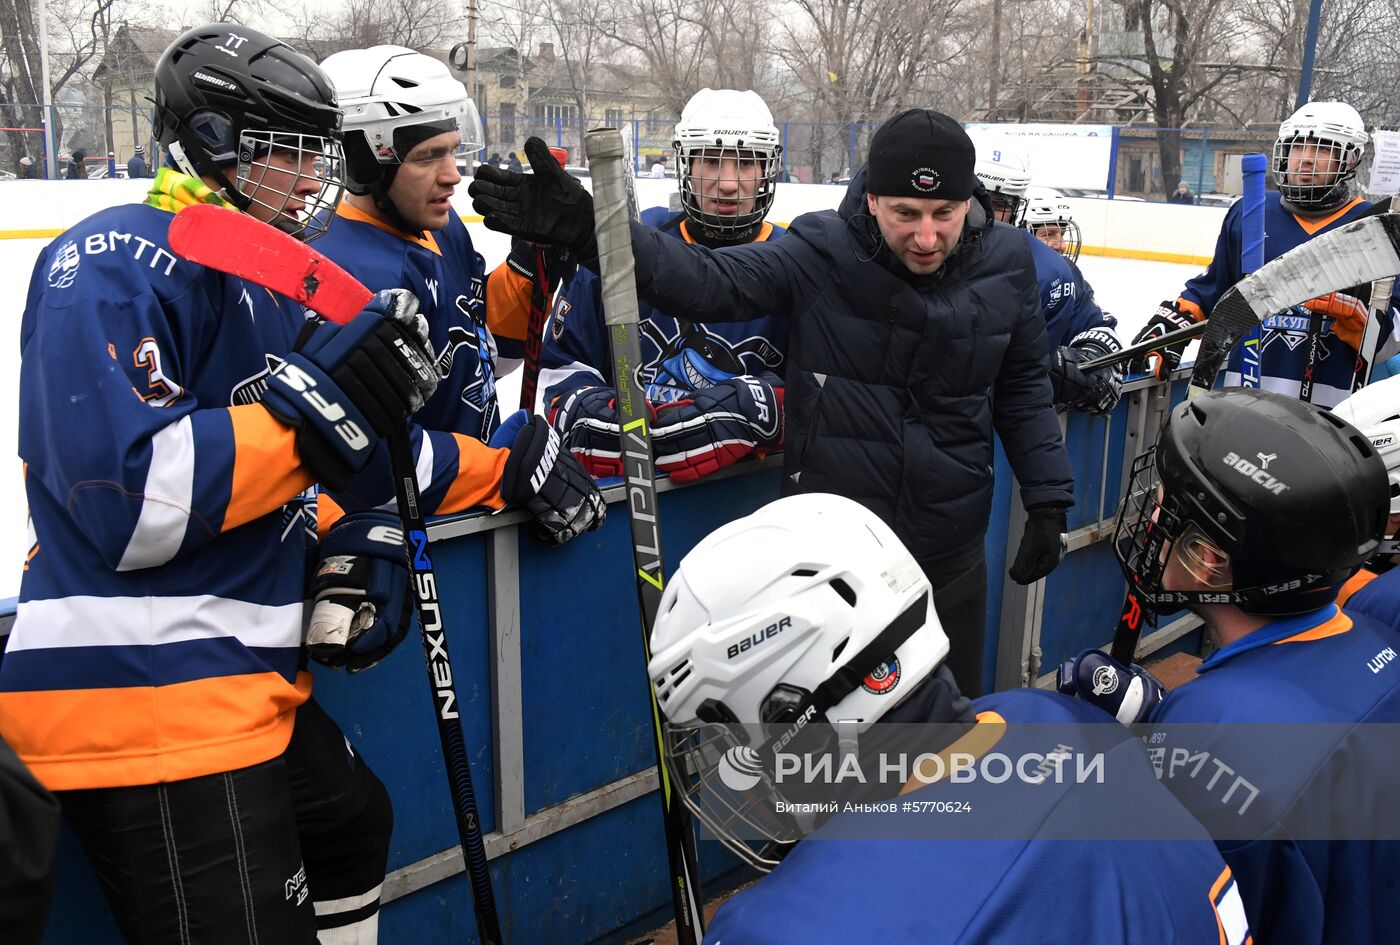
(242, 246)
(1358, 253)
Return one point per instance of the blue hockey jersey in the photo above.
(160, 617)
(1375, 595)
(1282, 346)
(677, 355)
(831, 891)
(456, 468)
(1288, 802)
(1065, 296)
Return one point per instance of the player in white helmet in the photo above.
(806, 630)
(1052, 222)
(717, 388)
(1375, 589)
(407, 121)
(1313, 166)
(1076, 328)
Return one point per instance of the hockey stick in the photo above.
(1381, 291)
(540, 298)
(614, 204)
(1253, 168)
(1144, 347)
(238, 244)
(1360, 252)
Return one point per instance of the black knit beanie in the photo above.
(921, 153)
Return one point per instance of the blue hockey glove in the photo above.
(347, 386)
(586, 420)
(1096, 392)
(543, 477)
(716, 426)
(1128, 693)
(361, 607)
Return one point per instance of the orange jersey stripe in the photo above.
(89, 738)
(267, 471)
(478, 479)
(1355, 583)
(1338, 624)
(508, 303)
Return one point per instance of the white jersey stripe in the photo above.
(166, 499)
(127, 621)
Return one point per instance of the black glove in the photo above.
(545, 479)
(1168, 318)
(346, 386)
(1042, 545)
(362, 608)
(547, 206)
(1096, 392)
(559, 262)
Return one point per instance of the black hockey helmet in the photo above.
(1293, 495)
(227, 94)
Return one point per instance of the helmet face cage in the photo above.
(712, 169)
(276, 186)
(1004, 200)
(1328, 194)
(1062, 235)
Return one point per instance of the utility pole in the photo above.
(996, 58)
(46, 93)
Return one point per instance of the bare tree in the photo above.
(356, 24)
(583, 31)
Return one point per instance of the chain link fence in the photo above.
(107, 137)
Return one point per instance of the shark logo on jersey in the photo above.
(250, 390)
(301, 511)
(64, 268)
(1291, 329)
(694, 358)
(478, 390)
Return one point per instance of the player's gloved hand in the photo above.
(559, 262)
(1348, 313)
(1168, 318)
(716, 426)
(546, 206)
(361, 606)
(1128, 693)
(586, 419)
(542, 477)
(1097, 391)
(1042, 544)
(346, 386)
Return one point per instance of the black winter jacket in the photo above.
(895, 381)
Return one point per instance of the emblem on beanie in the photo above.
(925, 180)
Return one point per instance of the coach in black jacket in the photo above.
(916, 331)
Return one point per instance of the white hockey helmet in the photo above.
(1052, 222)
(393, 99)
(1375, 411)
(727, 123)
(808, 611)
(1004, 168)
(1337, 130)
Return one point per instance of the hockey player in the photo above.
(1053, 224)
(406, 120)
(1076, 327)
(1375, 589)
(713, 385)
(155, 679)
(1315, 160)
(857, 638)
(1251, 511)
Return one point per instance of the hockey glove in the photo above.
(716, 426)
(1168, 318)
(586, 420)
(546, 206)
(346, 386)
(1042, 545)
(559, 262)
(1096, 392)
(1348, 313)
(544, 478)
(361, 607)
(1128, 693)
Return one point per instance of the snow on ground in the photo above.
(1130, 289)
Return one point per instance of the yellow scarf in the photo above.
(172, 190)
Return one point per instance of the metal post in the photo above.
(1113, 162)
(851, 156)
(1309, 54)
(1201, 163)
(46, 93)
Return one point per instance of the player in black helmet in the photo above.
(155, 679)
(1252, 511)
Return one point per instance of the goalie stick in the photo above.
(243, 246)
(1358, 253)
(614, 204)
